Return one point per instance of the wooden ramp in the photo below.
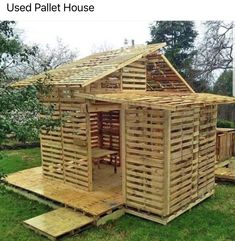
(60, 222)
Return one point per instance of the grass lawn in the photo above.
(212, 220)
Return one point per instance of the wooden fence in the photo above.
(225, 144)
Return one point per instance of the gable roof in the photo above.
(162, 100)
(93, 67)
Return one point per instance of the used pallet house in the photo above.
(135, 136)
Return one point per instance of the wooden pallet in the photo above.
(58, 223)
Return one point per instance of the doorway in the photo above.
(105, 149)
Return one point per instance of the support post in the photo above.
(89, 157)
(167, 159)
(123, 148)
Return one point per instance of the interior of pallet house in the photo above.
(134, 137)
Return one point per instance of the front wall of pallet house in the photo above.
(144, 165)
(64, 149)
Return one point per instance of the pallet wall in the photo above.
(134, 76)
(65, 149)
(144, 159)
(184, 158)
(207, 149)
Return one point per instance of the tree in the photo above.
(12, 50)
(22, 112)
(216, 49)
(223, 85)
(20, 108)
(214, 54)
(45, 58)
(179, 37)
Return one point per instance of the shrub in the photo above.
(225, 124)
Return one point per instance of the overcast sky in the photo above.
(85, 36)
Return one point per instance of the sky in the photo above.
(85, 36)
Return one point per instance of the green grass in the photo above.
(16, 160)
(212, 220)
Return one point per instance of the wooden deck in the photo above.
(106, 196)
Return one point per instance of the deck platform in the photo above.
(105, 198)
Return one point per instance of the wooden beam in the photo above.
(103, 107)
(167, 160)
(123, 149)
(89, 156)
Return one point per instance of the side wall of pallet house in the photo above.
(169, 158)
(184, 158)
(207, 149)
(144, 159)
(65, 149)
(192, 155)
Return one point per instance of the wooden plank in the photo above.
(89, 153)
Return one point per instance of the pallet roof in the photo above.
(159, 100)
(93, 67)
